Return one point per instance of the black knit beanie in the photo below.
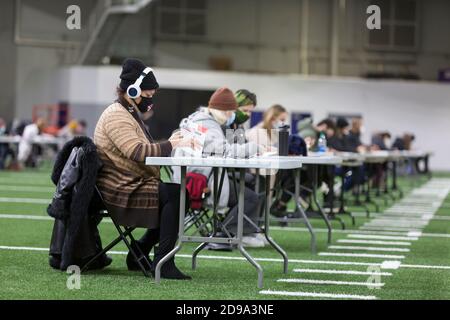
(131, 70)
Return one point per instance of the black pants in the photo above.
(251, 209)
(167, 233)
(287, 179)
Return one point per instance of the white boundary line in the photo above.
(25, 200)
(361, 255)
(387, 249)
(317, 295)
(25, 188)
(217, 257)
(386, 228)
(390, 243)
(350, 233)
(25, 216)
(332, 282)
(351, 272)
(372, 236)
(36, 217)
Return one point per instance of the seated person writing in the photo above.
(133, 192)
(220, 114)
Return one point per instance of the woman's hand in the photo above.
(178, 141)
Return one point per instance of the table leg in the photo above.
(366, 179)
(394, 179)
(266, 229)
(181, 227)
(316, 202)
(427, 166)
(303, 213)
(341, 196)
(331, 189)
(257, 182)
(215, 224)
(240, 227)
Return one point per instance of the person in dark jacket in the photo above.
(404, 142)
(354, 135)
(339, 141)
(75, 236)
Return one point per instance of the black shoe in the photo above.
(100, 263)
(278, 210)
(133, 265)
(54, 262)
(170, 271)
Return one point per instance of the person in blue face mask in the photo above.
(214, 119)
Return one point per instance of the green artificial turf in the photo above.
(25, 273)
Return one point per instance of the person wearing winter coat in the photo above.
(220, 114)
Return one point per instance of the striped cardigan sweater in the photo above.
(129, 187)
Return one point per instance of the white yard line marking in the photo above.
(441, 218)
(361, 232)
(414, 234)
(35, 217)
(317, 295)
(24, 216)
(408, 209)
(381, 237)
(361, 255)
(387, 249)
(391, 264)
(375, 228)
(350, 233)
(23, 248)
(402, 216)
(343, 263)
(424, 266)
(395, 225)
(400, 222)
(25, 200)
(332, 282)
(25, 182)
(216, 257)
(352, 272)
(390, 243)
(26, 189)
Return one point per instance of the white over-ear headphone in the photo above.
(134, 90)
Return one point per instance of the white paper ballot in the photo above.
(196, 131)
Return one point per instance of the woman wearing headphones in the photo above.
(133, 191)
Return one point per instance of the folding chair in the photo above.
(123, 234)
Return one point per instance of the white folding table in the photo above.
(269, 163)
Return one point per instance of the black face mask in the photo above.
(145, 105)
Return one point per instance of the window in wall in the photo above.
(399, 25)
(181, 19)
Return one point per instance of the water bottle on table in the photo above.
(322, 143)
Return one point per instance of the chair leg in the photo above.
(141, 254)
(104, 251)
(123, 236)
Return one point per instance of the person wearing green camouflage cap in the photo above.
(246, 102)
